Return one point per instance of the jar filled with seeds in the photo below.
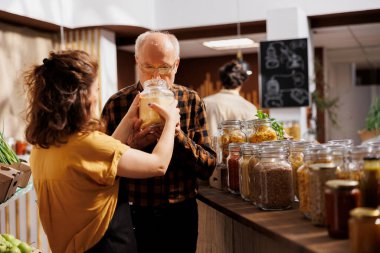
(296, 160)
(246, 154)
(233, 167)
(320, 173)
(263, 132)
(273, 174)
(231, 132)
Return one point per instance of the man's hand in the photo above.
(141, 138)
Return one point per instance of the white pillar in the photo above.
(291, 23)
(108, 65)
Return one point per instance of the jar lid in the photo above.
(261, 121)
(361, 212)
(155, 82)
(230, 123)
(345, 142)
(235, 146)
(342, 184)
(322, 166)
(299, 144)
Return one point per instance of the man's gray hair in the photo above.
(142, 37)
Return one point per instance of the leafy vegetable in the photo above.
(278, 127)
(373, 117)
(7, 155)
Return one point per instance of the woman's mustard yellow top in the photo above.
(77, 189)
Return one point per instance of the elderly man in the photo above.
(164, 209)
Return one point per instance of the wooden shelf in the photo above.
(287, 228)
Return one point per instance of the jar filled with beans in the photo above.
(273, 174)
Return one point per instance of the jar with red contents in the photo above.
(233, 167)
(341, 196)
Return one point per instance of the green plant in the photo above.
(278, 127)
(372, 120)
(7, 155)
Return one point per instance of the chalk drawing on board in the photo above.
(299, 95)
(285, 56)
(274, 94)
(271, 59)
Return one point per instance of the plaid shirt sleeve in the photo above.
(194, 146)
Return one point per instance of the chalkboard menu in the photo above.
(284, 73)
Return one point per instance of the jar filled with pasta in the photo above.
(320, 173)
(246, 154)
(231, 132)
(263, 132)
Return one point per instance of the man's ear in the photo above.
(176, 65)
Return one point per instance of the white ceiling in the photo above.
(342, 37)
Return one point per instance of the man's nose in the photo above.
(156, 75)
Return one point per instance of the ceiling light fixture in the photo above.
(230, 44)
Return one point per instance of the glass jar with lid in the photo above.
(263, 132)
(341, 196)
(296, 160)
(320, 173)
(246, 154)
(354, 162)
(248, 127)
(364, 230)
(303, 182)
(233, 167)
(231, 132)
(253, 186)
(370, 183)
(155, 91)
(273, 174)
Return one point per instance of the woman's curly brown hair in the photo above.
(232, 75)
(60, 103)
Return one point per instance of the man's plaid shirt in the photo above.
(192, 156)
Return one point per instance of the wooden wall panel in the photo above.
(125, 68)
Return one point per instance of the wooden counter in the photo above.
(229, 224)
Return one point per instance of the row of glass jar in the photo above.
(277, 157)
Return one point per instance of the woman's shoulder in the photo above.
(94, 139)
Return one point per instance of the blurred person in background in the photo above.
(76, 167)
(227, 104)
(164, 209)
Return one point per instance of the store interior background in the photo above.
(343, 34)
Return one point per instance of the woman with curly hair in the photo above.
(75, 166)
